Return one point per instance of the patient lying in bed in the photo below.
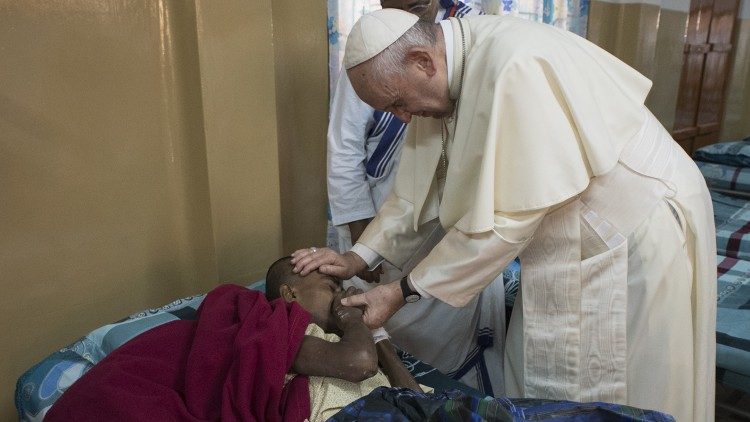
(239, 360)
(338, 350)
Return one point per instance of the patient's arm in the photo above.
(353, 358)
(393, 368)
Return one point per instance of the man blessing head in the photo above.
(551, 156)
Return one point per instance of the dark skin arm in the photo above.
(356, 228)
(353, 358)
(393, 368)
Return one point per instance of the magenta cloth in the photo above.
(229, 365)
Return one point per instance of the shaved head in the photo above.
(280, 272)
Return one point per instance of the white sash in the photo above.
(575, 305)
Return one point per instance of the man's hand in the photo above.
(345, 315)
(327, 261)
(380, 303)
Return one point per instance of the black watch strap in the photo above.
(410, 296)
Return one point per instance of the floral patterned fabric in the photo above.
(342, 14)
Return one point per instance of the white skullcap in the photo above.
(374, 32)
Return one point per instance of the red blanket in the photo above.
(227, 365)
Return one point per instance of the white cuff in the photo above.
(371, 258)
(379, 334)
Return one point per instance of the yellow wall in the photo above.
(139, 146)
(236, 52)
(648, 37)
(302, 104)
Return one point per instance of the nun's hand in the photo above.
(327, 261)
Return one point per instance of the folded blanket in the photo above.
(736, 153)
(403, 405)
(228, 364)
(726, 177)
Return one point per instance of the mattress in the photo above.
(733, 153)
(726, 178)
(732, 218)
(733, 322)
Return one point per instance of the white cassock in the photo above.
(364, 146)
(556, 159)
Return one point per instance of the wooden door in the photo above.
(708, 47)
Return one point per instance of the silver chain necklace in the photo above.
(443, 168)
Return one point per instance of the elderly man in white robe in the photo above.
(364, 146)
(531, 141)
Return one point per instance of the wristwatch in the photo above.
(410, 296)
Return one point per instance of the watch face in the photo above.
(412, 298)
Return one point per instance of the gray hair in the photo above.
(391, 61)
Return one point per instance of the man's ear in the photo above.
(422, 59)
(287, 293)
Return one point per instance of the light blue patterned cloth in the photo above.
(40, 386)
(736, 153)
(733, 323)
(725, 177)
(511, 281)
(732, 218)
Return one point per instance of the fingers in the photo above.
(336, 303)
(384, 301)
(334, 270)
(300, 253)
(307, 252)
(376, 312)
(307, 260)
(356, 300)
(351, 291)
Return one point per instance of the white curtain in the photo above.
(567, 14)
(342, 14)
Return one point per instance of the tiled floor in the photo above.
(734, 398)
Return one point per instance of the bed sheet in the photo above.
(733, 153)
(732, 218)
(39, 387)
(733, 322)
(726, 177)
